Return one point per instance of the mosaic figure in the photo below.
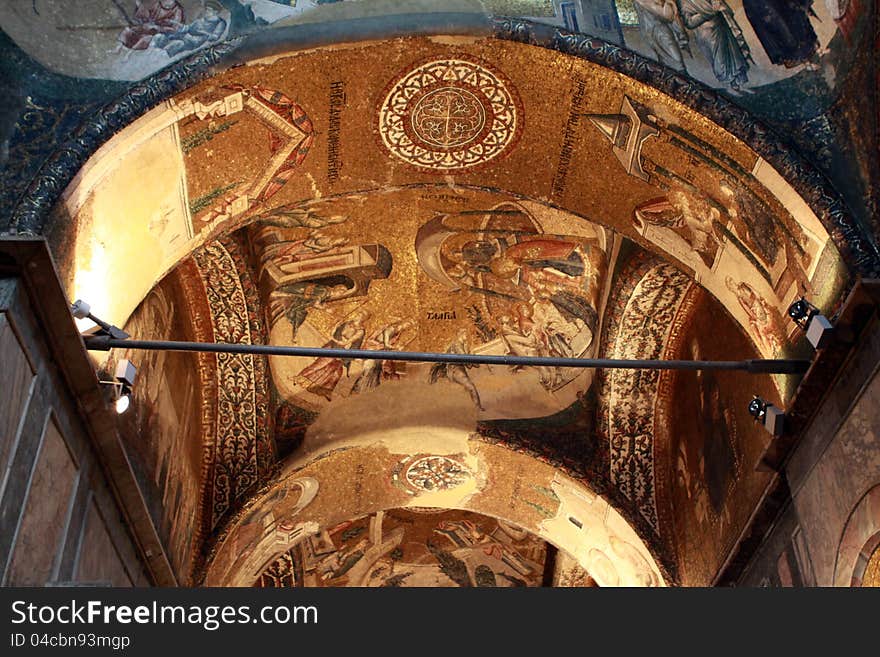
(323, 375)
(720, 39)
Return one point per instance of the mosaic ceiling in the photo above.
(440, 193)
(790, 65)
(423, 547)
(245, 146)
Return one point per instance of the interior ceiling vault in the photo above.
(445, 193)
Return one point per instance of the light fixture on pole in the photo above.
(817, 327)
(124, 380)
(767, 414)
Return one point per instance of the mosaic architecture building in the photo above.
(629, 179)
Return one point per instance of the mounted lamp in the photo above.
(817, 327)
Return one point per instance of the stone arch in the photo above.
(567, 513)
(859, 540)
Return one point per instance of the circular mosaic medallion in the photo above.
(417, 474)
(436, 473)
(448, 115)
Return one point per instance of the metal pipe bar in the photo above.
(754, 366)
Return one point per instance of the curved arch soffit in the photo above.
(538, 498)
(698, 244)
(31, 213)
(858, 540)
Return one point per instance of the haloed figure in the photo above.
(763, 318)
(456, 372)
(661, 27)
(720, 39)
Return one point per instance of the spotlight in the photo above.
(801, 311)
(817, 327)
(125, 375)
(81, 310)
(767, 414)
(758, 409)
(122, 403)
(121, 395)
